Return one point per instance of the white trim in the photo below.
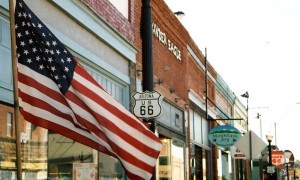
(4, 3)
(200, 103)
(202, 66)
(88, 55)
(99, 28)
(200, 145)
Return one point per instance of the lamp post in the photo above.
(287, 168)
(269, 138)
(258, 116)
(246, 95)
(287, 155)
(179, 14)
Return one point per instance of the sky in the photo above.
(255, 46)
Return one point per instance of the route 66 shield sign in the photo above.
(147, 104)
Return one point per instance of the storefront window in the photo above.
(33, 150)
(171, 160)
(110, 168)
(69, 159)
(225, 167)
(164, 160)
(177, 159)
(199, 163)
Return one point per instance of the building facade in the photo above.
(100, 35)
(105, 37)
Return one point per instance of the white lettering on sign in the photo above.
(147, 104)
(159, 34)
(162, 37)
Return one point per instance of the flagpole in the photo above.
(15, 88)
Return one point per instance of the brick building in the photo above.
(180, 64)
(100, 35)
(104, 35)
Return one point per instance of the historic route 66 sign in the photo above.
(147, 104)
(270, 169)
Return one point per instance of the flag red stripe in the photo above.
(127, 156)
(31, 81)
(108, 105)
(45, 123)
(58, 94)
(109, 125)
(43, 105)
(39, 103)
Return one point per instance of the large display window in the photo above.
(171, 160)
(199, 163)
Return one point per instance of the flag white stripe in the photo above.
(115, 138)
(38, 94)
(121, 124)
(88, 114)
(104, 95)
(44, 114)
(65, 123)
(64, 109)
(62, 122)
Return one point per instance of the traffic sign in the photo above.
(147, 104)
(239, 155)
(270, 169)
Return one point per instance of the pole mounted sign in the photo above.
(147, 104)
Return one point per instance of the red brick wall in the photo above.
(180, 75)
(37, 133)
(3, 120)
(114, 18)
(183, 74)
(165, 64)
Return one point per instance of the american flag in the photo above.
(56, 93)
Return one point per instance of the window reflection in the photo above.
(171, 159)
(177, 159)
(198, 162)
(110, 168)
(68, 159)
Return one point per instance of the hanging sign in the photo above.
(147, 104)
(224, 136)
(278, 158)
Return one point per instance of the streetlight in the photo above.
(287, 168)
(246, 95)
(270, 169)
(179, 14)
(258, 117)
(287, 155)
